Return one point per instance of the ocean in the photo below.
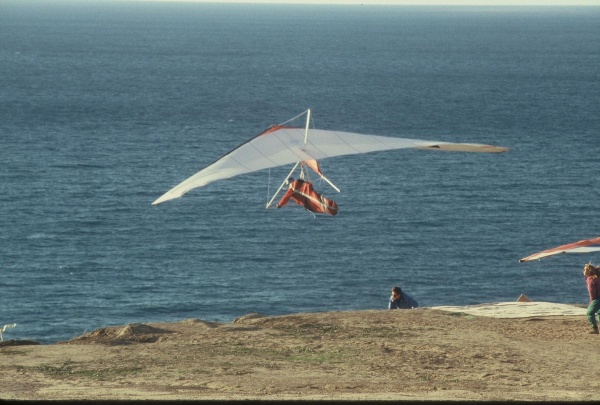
(104, 106)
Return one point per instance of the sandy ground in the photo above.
(424, 354)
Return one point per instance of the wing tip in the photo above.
(170, 195)
(467, 147)
(162, 199)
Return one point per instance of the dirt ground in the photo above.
(422, 354)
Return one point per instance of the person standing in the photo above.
(592, 280)
(401, 300)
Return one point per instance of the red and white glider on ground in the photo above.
(583, 246)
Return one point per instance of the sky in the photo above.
(412, 2)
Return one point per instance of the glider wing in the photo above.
(583, 246)
(282, 145)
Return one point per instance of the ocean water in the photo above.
(106, 106)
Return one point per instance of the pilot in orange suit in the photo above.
(303, 193)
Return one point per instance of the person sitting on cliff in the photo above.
(401, 300)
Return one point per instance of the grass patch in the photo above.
(70, 369)
(320, 356)
(12, 352)
(461, 314)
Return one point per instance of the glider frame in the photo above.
(301, 164)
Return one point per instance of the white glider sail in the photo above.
(282, 145)
(583, 246)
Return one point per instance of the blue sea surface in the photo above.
(106, 106)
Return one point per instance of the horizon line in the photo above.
(471, 3)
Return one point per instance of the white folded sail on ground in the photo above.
(583, 246)
(282, 145)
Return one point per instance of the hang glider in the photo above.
(583, 246)
(282, 145)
